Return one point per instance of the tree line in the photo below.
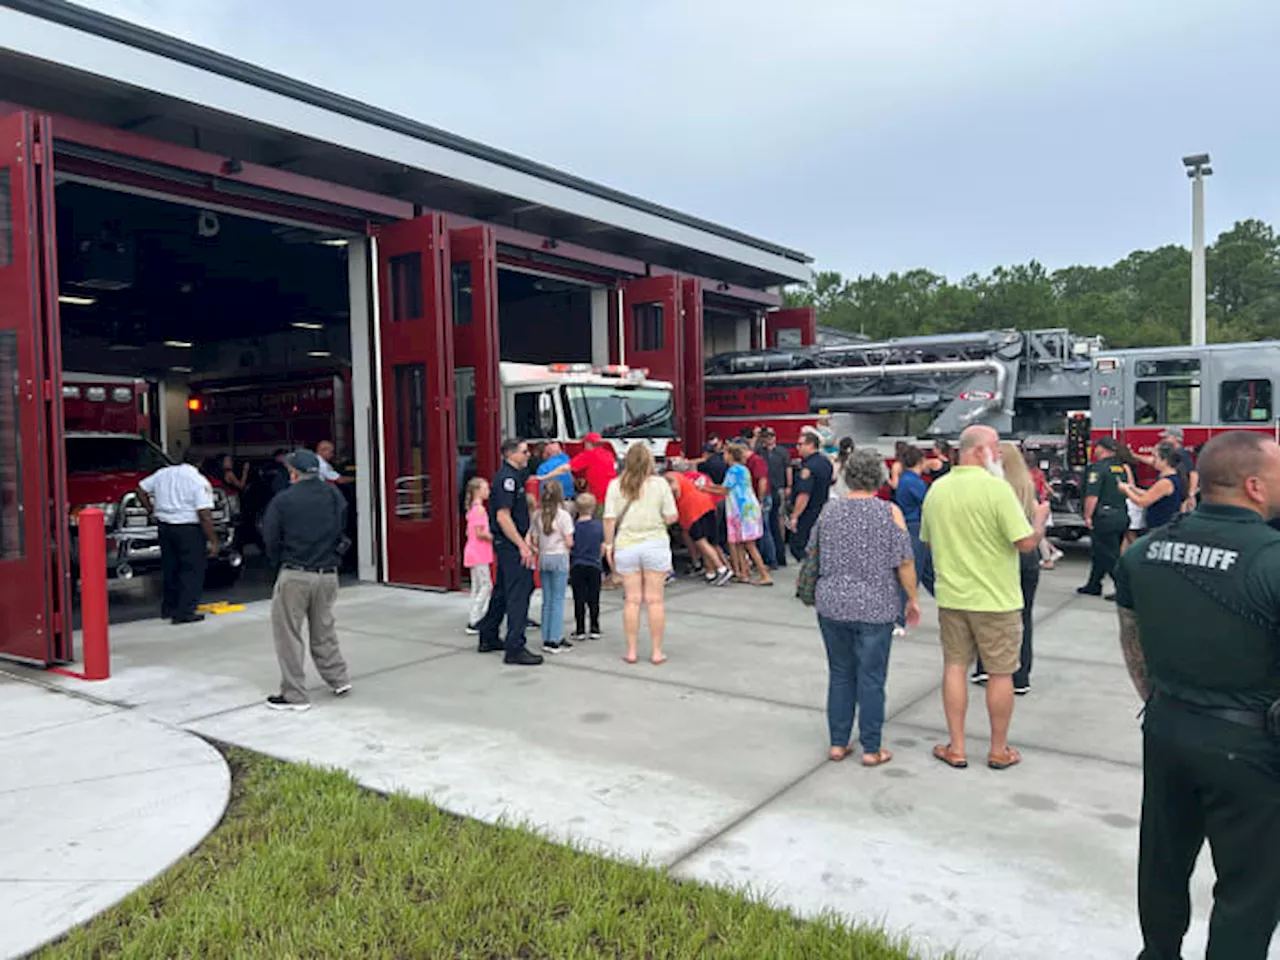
(1141, 301)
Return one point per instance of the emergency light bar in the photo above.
(620, 370)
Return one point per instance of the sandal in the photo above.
(877, 758)
(944, 753)
(1010, 758)
(836, 754)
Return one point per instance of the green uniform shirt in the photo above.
(1103, 481)
(1206, 593)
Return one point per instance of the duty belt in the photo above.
(301, 569)
(1245, 718)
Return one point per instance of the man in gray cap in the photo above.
(303, 537)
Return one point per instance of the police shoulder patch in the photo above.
(805, 474)
(509, 484)
(1093, 476)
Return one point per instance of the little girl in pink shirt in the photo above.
(478, 553)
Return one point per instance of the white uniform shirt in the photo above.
(178, 492)
(326, 471)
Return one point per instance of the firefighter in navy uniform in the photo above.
(1199, 608)
(809, 491)
(1106, 513)
(509, 523)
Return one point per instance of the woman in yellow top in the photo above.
(638, 508)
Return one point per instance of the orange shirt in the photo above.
(693, 502)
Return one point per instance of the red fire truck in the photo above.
(108, 421)
(1204, 390)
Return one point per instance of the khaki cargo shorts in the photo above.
(997, 636)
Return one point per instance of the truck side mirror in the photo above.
(546, 415)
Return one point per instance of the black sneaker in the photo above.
(1023, 690)
(488, 648)
(1088, 591)
(189, 618)
(1110, 596)
(578, 637)
(596, 634)
(723, 576)
(472, 630)
(563, 646)
(523, 659)
(978, 678)
(342, 689)
(278, 702)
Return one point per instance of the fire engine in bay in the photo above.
(567, 401)
(1032, 386)
(107, 424)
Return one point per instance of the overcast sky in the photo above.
(875, 135)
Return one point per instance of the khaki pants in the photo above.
(299, 596)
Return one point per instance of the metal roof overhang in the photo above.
(65, 59)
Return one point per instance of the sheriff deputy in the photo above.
(1199, 608)
(181, 500)
(1106, 513)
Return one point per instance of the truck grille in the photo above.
(133, 515)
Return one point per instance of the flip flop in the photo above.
(1011, 758)
(943, 752)
(881, 756)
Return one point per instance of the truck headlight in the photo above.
(109, 511)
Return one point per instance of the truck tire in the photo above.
(219, 576)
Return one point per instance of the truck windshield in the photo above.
(622, 411)
(107, 454)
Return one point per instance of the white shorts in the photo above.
(1137, 516)
(651, 555)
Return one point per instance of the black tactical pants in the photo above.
(1205, 778)
(510, 599)
(1104, 541)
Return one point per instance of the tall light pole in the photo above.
(1197, 169)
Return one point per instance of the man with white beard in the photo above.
(975, 527)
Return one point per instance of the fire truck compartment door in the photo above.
(34, 591)
(419, 480)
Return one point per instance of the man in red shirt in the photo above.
(697, 511)
(596, 464)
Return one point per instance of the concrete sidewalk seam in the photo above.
(6, 792)
(9, 737)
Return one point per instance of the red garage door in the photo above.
(34, 594)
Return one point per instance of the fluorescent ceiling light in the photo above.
(308, 325)
(74, 301)
(334, 242)
(319, 353)
(181, 369)
(178, 344)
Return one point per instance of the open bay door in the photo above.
(35, 611)
(419, 462)
(653, 331)
(474, 253)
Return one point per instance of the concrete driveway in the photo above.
(714, 764)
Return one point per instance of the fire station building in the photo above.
(237, 262)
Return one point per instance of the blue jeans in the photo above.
(554, 584)
(857, 664)
(768, 546)
(923, 558)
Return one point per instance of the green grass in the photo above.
(307, 863)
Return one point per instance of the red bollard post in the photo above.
(93, 594)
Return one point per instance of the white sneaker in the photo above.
(342, 690)
(278, 702)
(472, 630)
(899, 631)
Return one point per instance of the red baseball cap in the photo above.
(593, 437)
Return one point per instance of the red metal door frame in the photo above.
(691, 414)
(803, 319)
(417, 400)
(653, 331)
(476, 342)
(35, 611)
